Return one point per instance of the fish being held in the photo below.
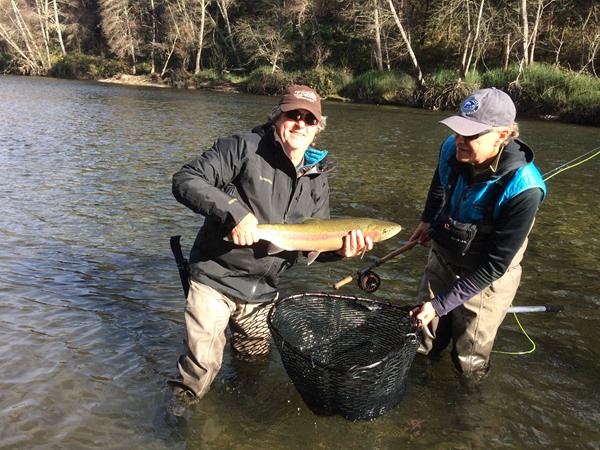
(322, 235)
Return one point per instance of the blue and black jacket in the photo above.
(512, 218)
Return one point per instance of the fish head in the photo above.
(381, 230)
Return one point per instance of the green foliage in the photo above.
(327, 82)
(348, 48)
(263, 81)
(324, 45)
(437, 57)
(78, 65)
(144, 68)
(206, 76)
(543, 90)
(5, 63)
(584, 107)
(499, 78)
(210, 79)
(233, 77)
(381, 87)
(445, 92)
(540, 90)
(549, 91)
(442, 77)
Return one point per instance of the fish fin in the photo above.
(272, 249)
(312, 256)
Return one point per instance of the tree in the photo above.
(186, 23)
(224, 6)
(57, 24)
(123, 27)
(154, 31)
(353, 35)
(377, 34)
(266, 36)
(470, 34)
(591, 39)
(529, 38)
(25, 30)
(202, 5)
(418, 74)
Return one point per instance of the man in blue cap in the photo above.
(480, 208)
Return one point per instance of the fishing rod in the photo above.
(369, 281)
(571, 164)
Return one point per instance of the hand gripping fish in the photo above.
(322, 235)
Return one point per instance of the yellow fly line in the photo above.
(547, 176)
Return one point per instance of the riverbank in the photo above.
(156, 81)
(540, 91)
(136, 80)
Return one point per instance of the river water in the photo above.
(91, 307)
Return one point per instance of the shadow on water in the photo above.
(91, 317)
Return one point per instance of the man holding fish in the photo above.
(250, 188)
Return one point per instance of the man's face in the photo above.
(479, 150)
(296, 135)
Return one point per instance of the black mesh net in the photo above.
(345, 355)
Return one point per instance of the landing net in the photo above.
(345, 355)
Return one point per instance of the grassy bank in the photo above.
(539, 91)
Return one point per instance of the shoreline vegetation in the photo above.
(542, 91)
(426, 55)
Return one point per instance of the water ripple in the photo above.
(91, 312)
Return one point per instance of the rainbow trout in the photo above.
(322, 235)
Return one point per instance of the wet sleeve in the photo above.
(201, 184)
(506, 238)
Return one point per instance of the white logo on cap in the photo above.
(305, 95)
(469, 107)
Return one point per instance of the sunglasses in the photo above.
(297, 116)
(475, 136)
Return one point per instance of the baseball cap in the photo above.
(301, 97)
(481, 110)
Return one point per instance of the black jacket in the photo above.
(239, 174)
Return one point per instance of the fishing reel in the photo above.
(369, 281)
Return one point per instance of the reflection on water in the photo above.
(91, 306)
